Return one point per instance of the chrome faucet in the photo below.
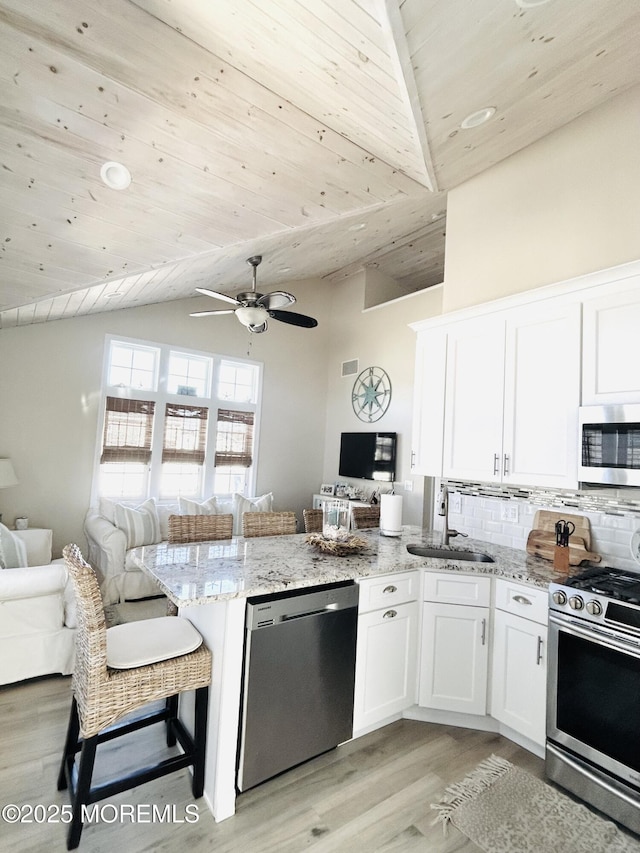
(444, 511)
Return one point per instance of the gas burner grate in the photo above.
(614, 583)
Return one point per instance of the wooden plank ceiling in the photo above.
(322, 134)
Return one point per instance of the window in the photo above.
(133, 366)
(189, 374)
(126, 446)
(153, 442)
(183, 449)
(237, 383)
(234, 448)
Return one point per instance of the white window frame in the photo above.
(161, 397)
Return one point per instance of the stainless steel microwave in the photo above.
(609, 450)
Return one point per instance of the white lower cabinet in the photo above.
(519, 672)
(455, 643)
(386, 650)
(463, 638)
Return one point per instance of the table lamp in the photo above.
(7, 476)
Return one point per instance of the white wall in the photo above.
(50, 388)
(565, 206)
(377, 337)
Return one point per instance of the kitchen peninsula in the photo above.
(210, 582)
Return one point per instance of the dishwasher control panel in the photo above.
(263, 611)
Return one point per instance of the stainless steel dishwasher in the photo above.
(299, 671)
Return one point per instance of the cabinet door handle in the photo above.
(496, 463)
(390, 614)
(521, 599)
(484, 631)
(413, 459)
(389, 589)
(539, 652)
(505, 467)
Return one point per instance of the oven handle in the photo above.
(596, 634)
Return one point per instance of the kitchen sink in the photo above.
(449, 554)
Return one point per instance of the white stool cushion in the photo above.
(150, 641)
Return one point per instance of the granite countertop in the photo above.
(204, 572)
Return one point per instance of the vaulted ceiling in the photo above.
(322, 134)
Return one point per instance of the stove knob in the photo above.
(576, 602)
(593, 607)
(559, 597)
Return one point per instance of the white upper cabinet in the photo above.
(512, 396)
(498, 393)
(542, 395)
(474, 399)
(611, 344)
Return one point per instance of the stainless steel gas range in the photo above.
(593, 706)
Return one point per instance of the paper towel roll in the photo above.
(391, 515)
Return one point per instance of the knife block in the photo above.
(561, 558)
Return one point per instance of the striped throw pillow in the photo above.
(140, 524)
(209, 507)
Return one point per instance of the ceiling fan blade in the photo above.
(211, 313)
(276, 299)
(294, 319)
(216, 295)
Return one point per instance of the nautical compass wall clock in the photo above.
(371, 394)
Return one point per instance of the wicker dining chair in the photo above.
(365, 516)
(119, 670)
(268, 523)
(312, 520)
(199, 528)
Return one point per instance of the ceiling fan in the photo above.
(253, 308)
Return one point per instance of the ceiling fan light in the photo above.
(251, 315)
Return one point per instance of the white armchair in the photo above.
(37, 618)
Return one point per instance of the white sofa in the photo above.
(109, 545)
(37, 617)
(120, 580)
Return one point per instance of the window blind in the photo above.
(234, 438)
(128, 426)
(185, 433)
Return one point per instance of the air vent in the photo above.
(350, 368)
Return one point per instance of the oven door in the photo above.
(593, 704)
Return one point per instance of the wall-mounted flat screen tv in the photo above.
(368, 455)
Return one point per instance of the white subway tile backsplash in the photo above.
(613, 517)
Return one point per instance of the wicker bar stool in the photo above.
(199, 528)
(119, 670)
(365, 516)
(268, 523)
(312, 520)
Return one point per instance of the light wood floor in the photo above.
(372, 795)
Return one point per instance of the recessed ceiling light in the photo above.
(285, 269)
(477, 118)
(358, 227)
(114, 294)
(115, 175)
(530, 4)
